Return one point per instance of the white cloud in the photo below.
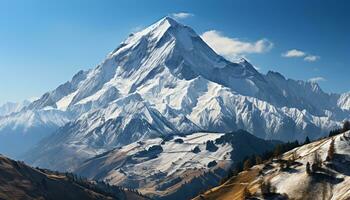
(317, 79)
(137, 29)
(294, 53)
(233, 47)
(311, 58)
(181, 15)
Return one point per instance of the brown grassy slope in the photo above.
(233, 188)
(331, 180)
(19, 181)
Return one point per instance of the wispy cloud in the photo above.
(181, 15)
(32, 99)
(137, 28)
(311, 58)
(294, 53)
(231, 48)
(317, 79)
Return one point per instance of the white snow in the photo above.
(174, 162)
(296, 183)
(11, 107)
(165, 80)
(344, 101)
(63, 103)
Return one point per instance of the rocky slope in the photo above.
(330, 180)
(19, 181)
(175, 167)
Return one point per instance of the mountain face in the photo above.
(166, 80)
(19, 181)
(331, 180)
(22, 128)
(344, 101)
(11, 107)
(177, 167)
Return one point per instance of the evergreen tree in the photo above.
(346, 126)
(294, 156)
(335, 132)
(247, 164)
(278, 150)
(331, 151)
(258, 160)
(317, 163)
(307, 140)
(308, 170)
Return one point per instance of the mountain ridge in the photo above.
(175, 167)
(289, 177)
(180, 85)
(19, 181)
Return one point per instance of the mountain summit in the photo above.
(166, 80)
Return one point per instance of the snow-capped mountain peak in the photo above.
(163, 80)
(166, 27)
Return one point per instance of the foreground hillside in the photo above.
(177, 167)
(19, 181)
(327, 176)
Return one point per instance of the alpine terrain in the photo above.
(176, 167)
(319, 170)
(161, 81)
(20, 181)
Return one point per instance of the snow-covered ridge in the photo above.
(319, 170)
(155, 175)
(344, 101)
(336, 169)
(163, 167)
(165, 80)
(12, 107)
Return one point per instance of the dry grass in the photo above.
(19, 181)
(233, 189)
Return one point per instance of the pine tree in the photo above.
(346, 126)
(331, 151)
(317, 163)
(307, 140)
(247, 164)
(335, 132)
(308, 170)
(294, 156)
(278, 150)
(258, 160)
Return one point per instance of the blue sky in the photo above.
(44, 43)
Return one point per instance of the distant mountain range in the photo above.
(12, 107)
(161, 81)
